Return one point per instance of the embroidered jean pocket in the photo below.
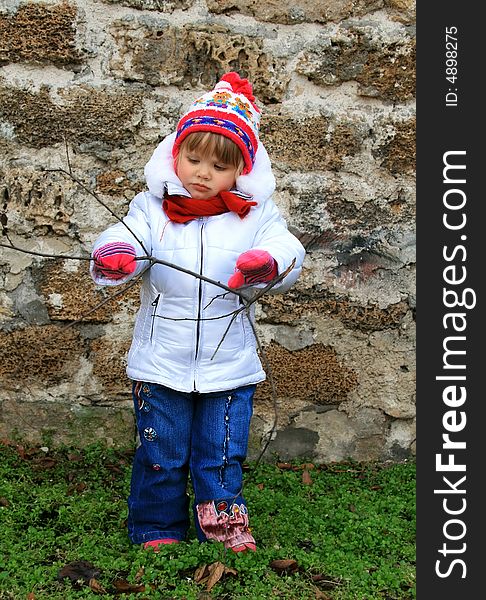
(142, 393)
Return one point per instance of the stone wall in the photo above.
(92, 86)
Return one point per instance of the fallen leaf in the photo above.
(79, 570)
(308, 466)
(284, 466)
(121, 586)
(96, 586)
(200, 573)
(216, 571)
(4, 501)
(261, 486)
(284, 565)
(211, 574)
(31, 596)
(140, 573)
(306, 478)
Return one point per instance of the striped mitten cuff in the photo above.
(252, 267)
(115, 260)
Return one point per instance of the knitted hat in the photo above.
(230, 110)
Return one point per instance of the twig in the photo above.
(239, 291)
(111, 297)
(268, 371)
(11, 246)
(235, 314)
(98, 199)
(159, 261)
(67, 154)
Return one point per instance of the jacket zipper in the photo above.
(199, 303)
(154, 314)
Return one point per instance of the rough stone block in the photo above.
(47, 355)
(348, 217)
(348, 213)
(308, 144)
(299, 11)
(313, 374)
(383, 67)
(403, 11)
(193, 56)
(92, 117)
(40, 33)
(109, 363)
(314, 301)
(118, 183)
(294, 443)
(397, 152)
(337, 435)
(35, 202)
(71, 295)
(401, 440)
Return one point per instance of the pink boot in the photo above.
(156, 543)
(228, 524)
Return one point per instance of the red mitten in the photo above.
(115, 260)
(252, 267)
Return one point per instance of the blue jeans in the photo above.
(205, 435)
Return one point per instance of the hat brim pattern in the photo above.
(223, 126)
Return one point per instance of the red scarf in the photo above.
(181, 209)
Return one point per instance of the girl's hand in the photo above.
(252, 267)
(115, 260)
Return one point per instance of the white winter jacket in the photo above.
(182, 319)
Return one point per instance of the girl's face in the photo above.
(204, 175)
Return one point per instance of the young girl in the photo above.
(208, 210)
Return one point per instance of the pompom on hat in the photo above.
(230, 110)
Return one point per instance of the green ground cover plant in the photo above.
(332, 532)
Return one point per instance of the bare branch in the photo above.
(268, 370)
(239, 291)
(98, 199)
(159, 261)
(128, 285)
(11, 246)
(235, 314)
(246, 303)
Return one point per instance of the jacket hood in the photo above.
(159, 173)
